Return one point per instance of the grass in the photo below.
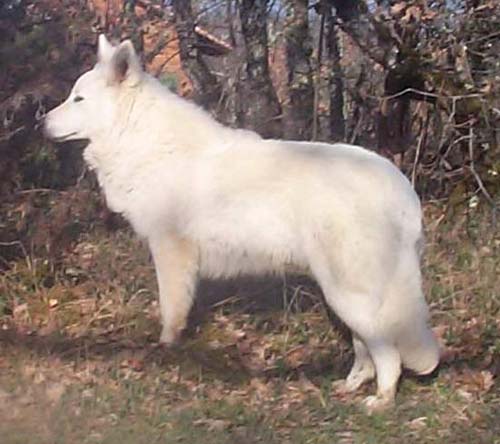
(79, 361)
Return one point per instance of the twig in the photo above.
(428, 94)
(293, 299)
(98, 316)
(11, 134)
(39, 190)
(417, 158)
(10, 244)
(159, 47)
(448, 123)
(474, 172)
(485, 37)
(208, 8)
(23, 250)
(229, 300)
(357, 127)
(168, 60)
(451, 145)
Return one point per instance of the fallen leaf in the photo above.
(418, 423)
(259, 386)
(465, 394)
(488, 380)
(136, 364)
(20, 309)
(213, 425)
(298, 356)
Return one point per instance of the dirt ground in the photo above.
(79, 361)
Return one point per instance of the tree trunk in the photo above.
(205, 84)
(298, 112)
(373, 37)
(261, 109)
(336, 81)
(376, 40)
(394, 126)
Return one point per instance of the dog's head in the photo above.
(93, 104)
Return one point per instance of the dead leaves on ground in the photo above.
(104, 309)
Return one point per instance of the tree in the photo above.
(298, 111)
(336, 81)
(205, 84)
(262, 111)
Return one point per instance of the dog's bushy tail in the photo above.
(407, 312)
(418, 347)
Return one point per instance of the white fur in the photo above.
(218, 202)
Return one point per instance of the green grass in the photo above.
(79, 362)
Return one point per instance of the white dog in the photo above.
(218, 202)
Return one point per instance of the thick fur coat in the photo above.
(218, 202)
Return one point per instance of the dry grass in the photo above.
(79, 362)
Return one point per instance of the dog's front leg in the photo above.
(176, 263)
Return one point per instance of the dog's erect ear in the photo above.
(125, 65)
(105, 49)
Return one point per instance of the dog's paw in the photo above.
(169, 336)
(354, 381)
(377, 404)
(344, 387)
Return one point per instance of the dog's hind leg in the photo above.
(362, 369)
(387, 362)
(361, 312)
(360, 309)
(176, 263)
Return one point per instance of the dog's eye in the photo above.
(78, 99)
